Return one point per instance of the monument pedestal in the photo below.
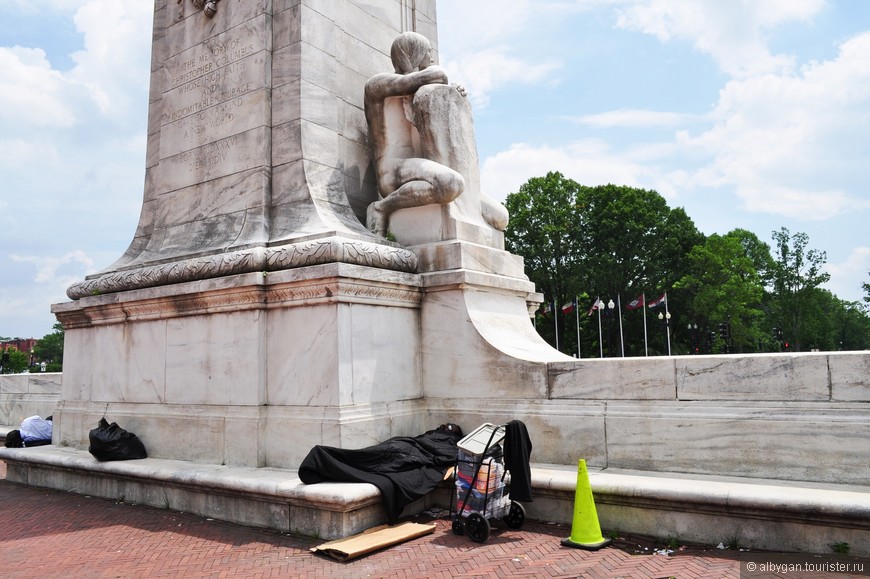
(248, 370)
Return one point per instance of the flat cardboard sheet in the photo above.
(373, 540)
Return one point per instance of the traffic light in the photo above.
(787, 345)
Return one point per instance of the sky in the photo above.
(747, 113)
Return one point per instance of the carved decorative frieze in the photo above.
(176, 272)
(314, 252)
(342, 250)
(343, 291)
(330, 290)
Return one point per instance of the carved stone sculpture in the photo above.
(421, 130)
(209, 5)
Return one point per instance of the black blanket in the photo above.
(403, 468)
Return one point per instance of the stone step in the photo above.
(753, 513)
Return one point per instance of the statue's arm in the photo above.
(389, 85)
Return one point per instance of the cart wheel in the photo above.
(477, 528)
(458, 526)
(516, 516)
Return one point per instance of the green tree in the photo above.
(14, 361)
(866, 287)
(851, 327)
(757, 251)
(633, 244)
(796, 273)
(725, 286)
(49, 349)
(834, 324)
(543, 229)
(604, 241)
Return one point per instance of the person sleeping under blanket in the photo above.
(403, 468)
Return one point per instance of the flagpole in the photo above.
(556, 324)
(621, 341)
(600, 335)
(668, 323)
(577, 319)
(645, 342)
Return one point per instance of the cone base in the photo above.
(588, 546)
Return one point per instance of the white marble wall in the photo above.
(249, 370)
(787, 417)
(23, 395)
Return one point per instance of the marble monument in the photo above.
(254, 315)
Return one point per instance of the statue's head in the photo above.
(410, 51)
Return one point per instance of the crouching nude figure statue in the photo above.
(422, 135)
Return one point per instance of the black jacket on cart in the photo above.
(517, 452)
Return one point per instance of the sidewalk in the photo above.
(54, 534)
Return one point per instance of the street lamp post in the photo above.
(666, 318)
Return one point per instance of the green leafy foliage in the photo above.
(797, 272)
(723, 283)
(606, 241)
(866, 287)
(14, 361)
(726, 293)
(49, 349)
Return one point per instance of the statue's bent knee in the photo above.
(448, 185)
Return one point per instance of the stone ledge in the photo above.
(255, 482)
(260, 497)
(790, 500)
(760, 514)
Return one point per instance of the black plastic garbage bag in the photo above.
(111, 442)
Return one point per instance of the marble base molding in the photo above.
(301, 254)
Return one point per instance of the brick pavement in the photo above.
(50, 534)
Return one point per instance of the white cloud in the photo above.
(589, 162)
(49, 155)
(48, 269)
(31, 93)
(19, 154)
(29, 6)
(848, 275)
(732, 32)
(491, 21)
(477, 43)
(785, 141)
(634, 118)
(490, 69)
(115, 42)
(31, 284)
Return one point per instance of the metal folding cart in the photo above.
(482, 485)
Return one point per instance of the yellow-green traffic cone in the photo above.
(585, 529)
